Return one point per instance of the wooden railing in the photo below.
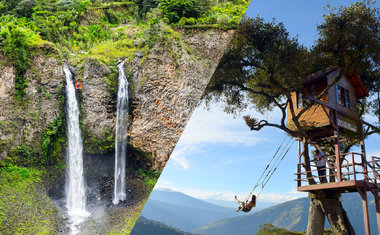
(374, 170)
(352, 169)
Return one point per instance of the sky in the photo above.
(218, 157)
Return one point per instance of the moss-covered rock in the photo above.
(24, 206)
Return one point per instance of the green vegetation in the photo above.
(51, 144)
(50, 154)
(150, 177)
(24, 207)
(270, 229)
(22, 155)
(82, 28)
(174, 10)
(17, 42)
(96, 145)
(145, 226)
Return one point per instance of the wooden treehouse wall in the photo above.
(316, 116)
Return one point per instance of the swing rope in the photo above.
(268, 173)
(283, 156)
(276, 164)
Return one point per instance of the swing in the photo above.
(246, 205)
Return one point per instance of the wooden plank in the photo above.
(337, 185)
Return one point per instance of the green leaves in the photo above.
(51, 141)
(350, 37)
(174, 10)
(17, 42)
(261, 66)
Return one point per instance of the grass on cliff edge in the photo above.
(24, 206)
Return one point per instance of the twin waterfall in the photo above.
(121, 136)
(75, 186)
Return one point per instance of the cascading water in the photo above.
(121, 136)
(75, 188)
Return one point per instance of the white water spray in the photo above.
(121, 136)
(75, 188)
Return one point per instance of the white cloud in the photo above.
(375, 153)
(229, 196)
(161, 184)
(217, 127)
(278, 198)
(214, 126)
(180, 152)
(237, 160)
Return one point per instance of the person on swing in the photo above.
(245, 205)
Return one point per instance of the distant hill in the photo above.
(292, 215)
(144, 227)
(234, 205)
(184, 212)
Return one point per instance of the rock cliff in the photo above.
(23, 122)
(166, 89)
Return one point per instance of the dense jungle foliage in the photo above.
(75, 25)
(104, 30)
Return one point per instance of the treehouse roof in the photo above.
(352, 77)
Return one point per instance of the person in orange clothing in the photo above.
(78, 84)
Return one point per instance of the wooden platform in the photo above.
(344, 186)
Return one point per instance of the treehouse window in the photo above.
(299, 100)
(342, 96)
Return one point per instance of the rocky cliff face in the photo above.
(167, 90)
(166, 86)
(23, 122)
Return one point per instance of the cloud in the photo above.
(237, 160)
(229, 196)
(278, 198)
(214, 126)
(180, 152)
(375, 153)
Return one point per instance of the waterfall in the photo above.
(75, 188)
(121, 136)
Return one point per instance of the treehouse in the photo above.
(339, 102)
(333, 125)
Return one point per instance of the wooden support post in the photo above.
(337, 155)
(299, 150)
(365, 212)
(299, 168)
(377, 211)
(364, 159)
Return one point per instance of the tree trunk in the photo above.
(307, 161)
(329, 202)
(316, 223)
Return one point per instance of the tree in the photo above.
(269, 229)
(349, 40)
(263, 66)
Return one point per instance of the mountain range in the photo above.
(182, 211)
(193, 215)
(292, 215)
